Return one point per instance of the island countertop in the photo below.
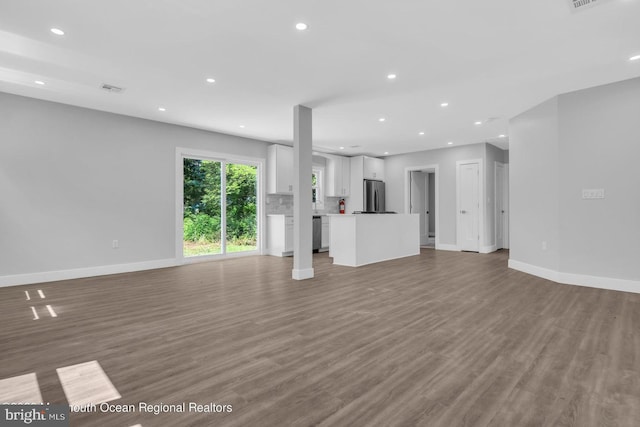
(360, 239)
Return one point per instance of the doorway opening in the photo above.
(502, 205)
(422, 198)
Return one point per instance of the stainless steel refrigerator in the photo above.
(373, 196)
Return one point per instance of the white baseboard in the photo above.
(488, 249)
(609, 283)
(307, 273)
(545, 273)
(78, 273)
(445, 247)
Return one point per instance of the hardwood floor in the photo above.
(440, 339)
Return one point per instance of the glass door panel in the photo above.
(202, 213)
(241, 207)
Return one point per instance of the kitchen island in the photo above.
(360, 239)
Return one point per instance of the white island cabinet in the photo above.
(360, 239)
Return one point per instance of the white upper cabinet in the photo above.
(346, 176)
(279, 169)
(373, 168)
(338, 176)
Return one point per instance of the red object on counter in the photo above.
(341, 204)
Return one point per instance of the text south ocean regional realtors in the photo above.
(154, 408)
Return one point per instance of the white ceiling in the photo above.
(489, 59)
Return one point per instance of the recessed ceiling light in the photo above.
(162, 109)
(444, 104)
(478, 123)
(634, 58)
(301, 26)
(449, 143)
(381, 119)
(342, 148)
(39, 82)
(421, 133)
(211, 80)
(502, 136)
(241, 126)
(391, 76)
(386, 152)
(57, 31)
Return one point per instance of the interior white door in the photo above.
(506, 204)
(418, 203)
(424, 237)
(500, 205)
(469, 207)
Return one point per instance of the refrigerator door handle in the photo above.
(375, 200)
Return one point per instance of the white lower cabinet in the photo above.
(280, 235)
(324, 246)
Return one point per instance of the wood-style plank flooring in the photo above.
(440, 339)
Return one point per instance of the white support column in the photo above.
(302, 212)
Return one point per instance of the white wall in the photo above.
(581, 140)
(533, 186)
(446, 158)
(72, 180)
(600, 148)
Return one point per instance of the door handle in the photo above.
(502, 211)
(463, 212)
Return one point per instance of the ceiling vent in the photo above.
(111, 88)
(578, 5)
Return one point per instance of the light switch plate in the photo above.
(593, 193)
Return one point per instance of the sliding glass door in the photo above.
(220, 209)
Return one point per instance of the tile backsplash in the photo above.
(279, 204)
(283, 205)
(331, 205)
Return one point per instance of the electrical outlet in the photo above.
(115, 244)
(544, 245)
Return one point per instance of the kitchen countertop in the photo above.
(313, 214)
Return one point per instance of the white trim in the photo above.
(223, 207)
(303, 274)
(446, 247)
(609, 283)
(488, 249)
(320, 185)
(219, 257)
(482, 205)
(179, 218)
(78, 273)
(434, 168)
(545, 273)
